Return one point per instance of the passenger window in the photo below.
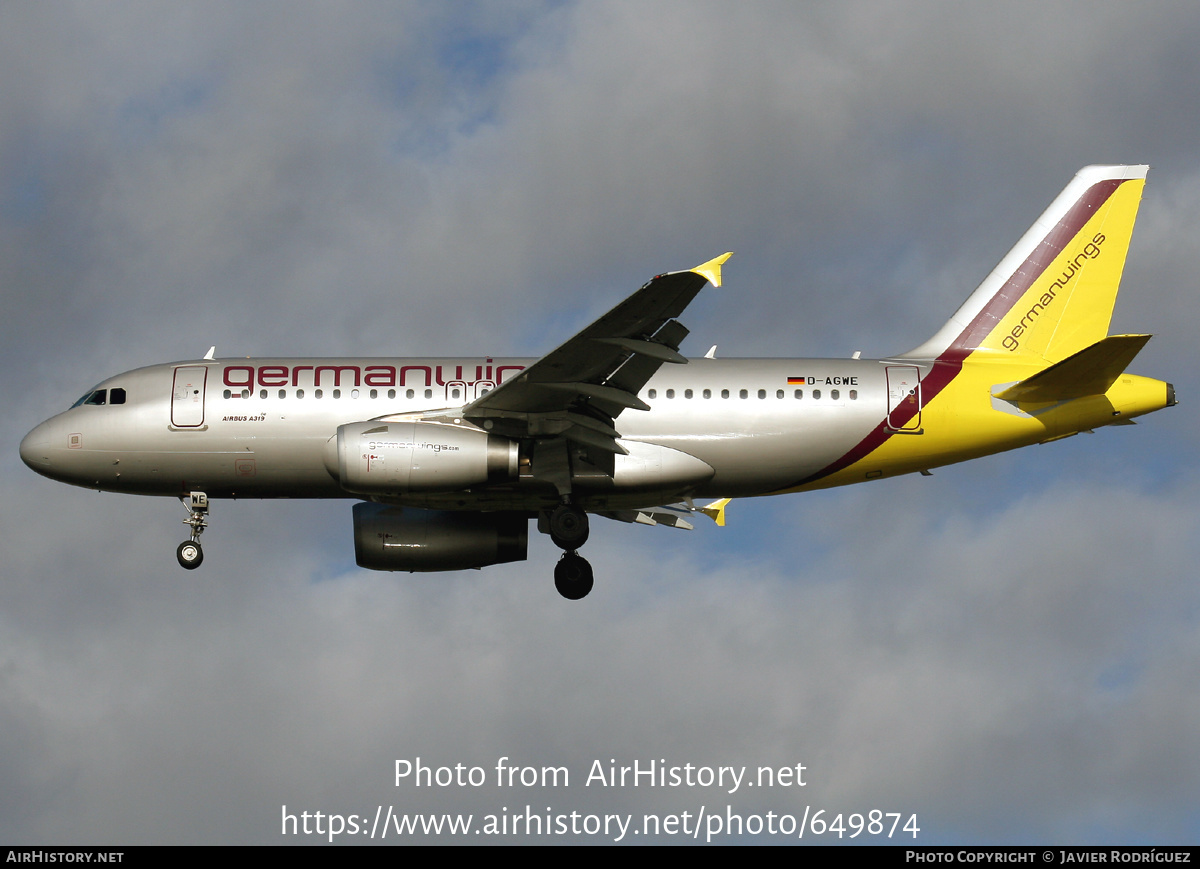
(454, 392)
(687, 393)
(299, 393)
(392, 393)
(228, 394)
(116, 396)
(653, 393)
(317, 393)
(429, 393)
(834, 394)
(762, 393)
(708, 393)
(816, 393)
(374, 393)
(743, 394)
(779, 393)
(262, 393)
(670, 393)
(854, 395)
(337, 393)
(408, 393)
(724, 393)
(799, 393)
(283, 393)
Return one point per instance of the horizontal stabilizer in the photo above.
(1091, 371)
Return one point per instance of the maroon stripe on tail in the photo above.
(1034, 266)
(947, 366)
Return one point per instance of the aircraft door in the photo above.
(456, 391)
(904, 398)
(187, 396)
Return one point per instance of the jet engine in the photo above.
(413, 539)
(379, 458)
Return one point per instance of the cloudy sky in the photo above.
(1008, 649)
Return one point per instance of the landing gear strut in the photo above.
(567, 526)
(189, 552)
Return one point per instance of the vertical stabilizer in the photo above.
(1052, 295)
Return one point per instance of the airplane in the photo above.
(449, 458)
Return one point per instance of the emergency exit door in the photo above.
(904, 398)
(187, 396)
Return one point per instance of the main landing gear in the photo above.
(189, 552)
(573, 576)
(568, 528)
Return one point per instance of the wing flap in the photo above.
(671, 515)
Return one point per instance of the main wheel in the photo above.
(189, 554)
(573, 576)
(568, 527)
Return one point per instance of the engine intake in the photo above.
(413, 539)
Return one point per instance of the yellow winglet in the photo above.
(716, 510)
(711, 270)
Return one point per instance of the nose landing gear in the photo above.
(189, 552)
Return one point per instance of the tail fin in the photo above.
(1052, 295)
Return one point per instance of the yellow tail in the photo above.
(1052, 296)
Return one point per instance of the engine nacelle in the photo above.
(380, 458)
(413, 539)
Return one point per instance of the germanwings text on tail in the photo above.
(450, 459)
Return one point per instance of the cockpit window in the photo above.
(116, 395)
(97, 396)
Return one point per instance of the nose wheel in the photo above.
(189, 552)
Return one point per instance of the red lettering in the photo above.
(273, 375)
(240, 385)
(337, 373)
(425, 368)
(379, 375)
(458, 378)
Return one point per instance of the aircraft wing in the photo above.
(578, 389)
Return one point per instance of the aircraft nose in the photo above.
(35, 448)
